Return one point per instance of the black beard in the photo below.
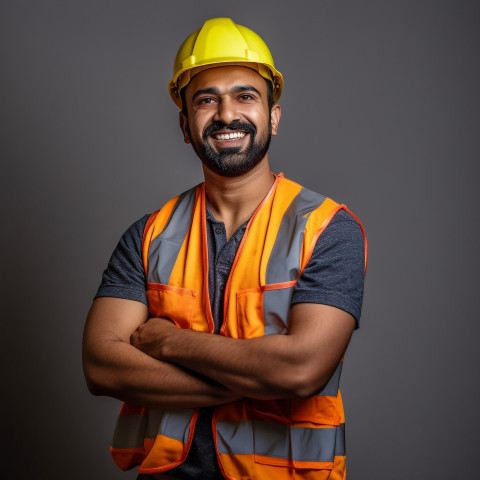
(232, 162)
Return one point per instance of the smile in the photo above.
(228, 136)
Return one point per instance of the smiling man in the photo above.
(222, 318)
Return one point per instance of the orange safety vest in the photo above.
(254, 439)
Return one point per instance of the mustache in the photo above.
(235, 125)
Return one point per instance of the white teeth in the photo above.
(230, 136)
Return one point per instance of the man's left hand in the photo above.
(148, 336)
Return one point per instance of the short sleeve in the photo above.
(335, 273)
(124, 276)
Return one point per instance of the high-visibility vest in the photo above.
(254, 439)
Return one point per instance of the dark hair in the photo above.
(269, 84)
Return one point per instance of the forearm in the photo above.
(117, 369)
(264, 367)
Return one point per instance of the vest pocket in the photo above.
(250, 313)
(174, 303)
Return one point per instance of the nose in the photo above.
(226, 111)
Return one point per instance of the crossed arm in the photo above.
(155, 364)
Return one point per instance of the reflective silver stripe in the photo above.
(275, 304)
(129, 431)
(332, 386)
(280, 441)
(165, 248)
(313, 444)
(284, 262)
(272, 440)
(235, 437)
(170, 423)
(340, 449)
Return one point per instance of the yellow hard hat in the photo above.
(221, 42)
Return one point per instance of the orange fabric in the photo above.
(189, 271)
(148, 225)
(126, 458)
(264, 206)
(161, 451)
(175, 303)
(207, 304)
(249, 268)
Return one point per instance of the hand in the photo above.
(148, 336)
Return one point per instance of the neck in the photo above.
(234, 200)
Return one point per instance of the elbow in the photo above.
(304, 392)
(306, 384)
(93, 388)
(94, 378)
(93, 385)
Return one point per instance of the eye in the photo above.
(205, 101)
(246, 97)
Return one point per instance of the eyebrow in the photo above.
(216, 91)
(244, 88)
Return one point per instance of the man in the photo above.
(222, 319)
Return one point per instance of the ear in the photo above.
(184, 127)
(275, 118)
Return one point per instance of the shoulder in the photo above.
(124, 276)
(130, 243)
(334, 274)
(134, 233)
(344, 226)
(342, 240)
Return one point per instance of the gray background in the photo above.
(380, 111)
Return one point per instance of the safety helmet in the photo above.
(221, 42)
